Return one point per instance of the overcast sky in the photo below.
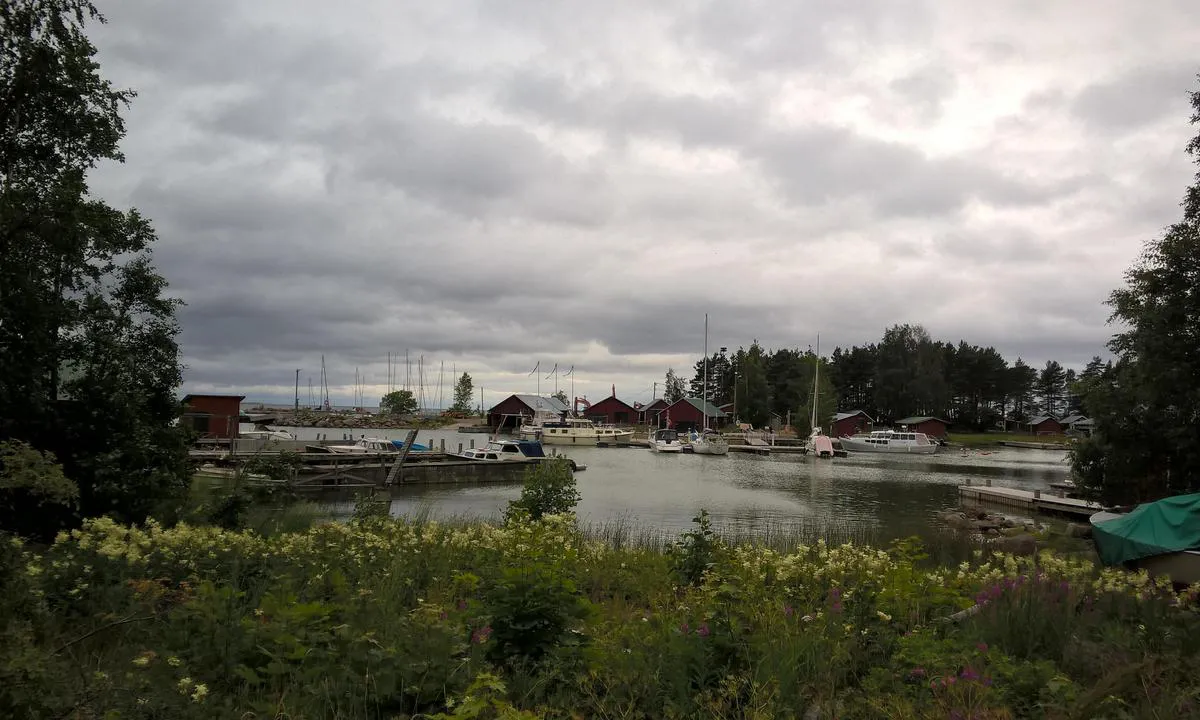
(493, 184)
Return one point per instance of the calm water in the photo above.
(890, 495)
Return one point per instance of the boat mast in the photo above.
(816, 397)
(704, 401)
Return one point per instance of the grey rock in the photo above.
(1017, 545)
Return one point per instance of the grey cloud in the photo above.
(503, 183)
(817, 165)
(633, 111)
(925, 89)
(1141, 96)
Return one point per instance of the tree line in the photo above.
(906, 373)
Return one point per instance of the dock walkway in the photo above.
(1034, 500)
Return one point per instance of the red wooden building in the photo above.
(688, 414)
(522, 405)
(931, 426)
(613, 411)
(212, 416)
(850, 422)
(1044, 425)
(652, 414)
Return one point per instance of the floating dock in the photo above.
(1029, 500)
(1033, 445)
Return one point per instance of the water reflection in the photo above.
(889, 495)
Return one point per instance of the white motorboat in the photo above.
(666, 440)
(709, 442)
(890, 441)
(364, 445)
(575, 431)
(262, 432)
(505, 450)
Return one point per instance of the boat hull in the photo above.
(855, 445)
(572, 439)
(705, 447)
(666, 447)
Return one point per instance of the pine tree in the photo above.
(1145, 442)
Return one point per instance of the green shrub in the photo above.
(696, 551)
(549, 489)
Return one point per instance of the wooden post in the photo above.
(460, 448)
(472, 444)
(988, 482)
(394, 475)
(443, 445)
(1037, 494)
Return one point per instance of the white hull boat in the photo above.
(575, 431)
(505, 450)
(889, 441)
(665, 441)
(365, 446)
(265, 433)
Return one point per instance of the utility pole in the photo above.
(297, 408)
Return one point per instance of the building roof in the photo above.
(838, 417)
(919, 420)
(1072, 419)
(1041, 419)
(711, 411)
(189, 396)
(535, 402)
(612, 399)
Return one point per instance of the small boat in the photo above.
(1161, 537)
(505, 450)
(262, 432)
(666, 440)
(819, 445)
(708, 442)
(890, 441)
(363, 446)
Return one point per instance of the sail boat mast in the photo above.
(816, 380)
(704, 402)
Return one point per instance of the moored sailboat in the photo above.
(707, 442)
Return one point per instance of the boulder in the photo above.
(957, 520)
(1079, 530)
(1017, 545)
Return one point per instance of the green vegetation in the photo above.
(396, 618)
(89, 364)
(398, 402)
(906, 373)
(1146, 440)
(464, 394)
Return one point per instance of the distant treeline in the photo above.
(906, 373)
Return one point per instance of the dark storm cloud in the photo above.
(490, 184)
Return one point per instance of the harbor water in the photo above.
(877, 495)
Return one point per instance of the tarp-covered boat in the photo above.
(1162, 537)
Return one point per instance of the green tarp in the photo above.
(1168, 525)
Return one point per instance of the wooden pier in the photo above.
(1028, 500)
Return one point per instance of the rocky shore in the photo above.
(1001, 532)
(361, 421)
